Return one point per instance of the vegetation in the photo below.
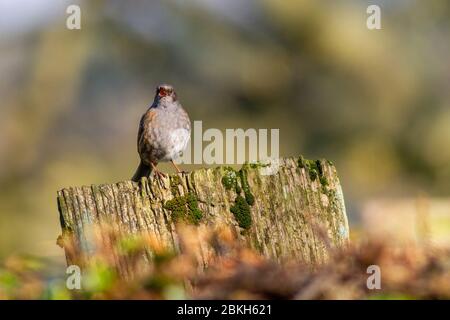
(373, 101)
(233, 272)
(241, 211)
(237, 181)
(183, 206)
(376, 102)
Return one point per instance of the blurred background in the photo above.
(375, 102)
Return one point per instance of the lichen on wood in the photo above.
(297, 212)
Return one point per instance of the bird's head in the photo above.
(165, 92)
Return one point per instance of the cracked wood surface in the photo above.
(297, 212)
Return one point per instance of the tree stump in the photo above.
(291, 209)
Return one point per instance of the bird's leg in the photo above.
(157, 172)
(177, 168)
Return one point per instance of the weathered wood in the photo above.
(296, 213)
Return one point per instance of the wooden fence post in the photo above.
(297, 212)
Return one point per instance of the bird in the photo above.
(164, 133)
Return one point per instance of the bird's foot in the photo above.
(178, 169)
(159, 174)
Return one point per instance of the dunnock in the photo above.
(164, 132)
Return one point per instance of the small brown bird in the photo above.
(164, 132)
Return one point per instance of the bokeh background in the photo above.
(375, 102)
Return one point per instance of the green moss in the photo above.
(194, 212)
(229, 180)
(324, 181)
(175, 181)
(308, 164)
(241, 211)
(314, 169)
(177, 206)
(312, 174)
(301, 162)
(257, 165)
(237, 180)
(319, 167)
(183, 207)
(249, 197)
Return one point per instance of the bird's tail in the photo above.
(142, 171)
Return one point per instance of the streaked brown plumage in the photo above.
(164, 132)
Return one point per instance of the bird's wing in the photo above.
(185, 119)
(146, 121)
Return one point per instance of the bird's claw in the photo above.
(160, 175)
